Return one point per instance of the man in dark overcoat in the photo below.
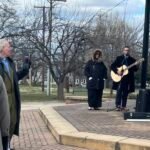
(11, 78)
(126, 85)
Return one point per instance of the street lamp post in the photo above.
(145, 44)
(142, 103)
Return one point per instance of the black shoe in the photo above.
(118, 108)
(96, 108)
(124, 109)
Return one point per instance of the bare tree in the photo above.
(68, 46)
(8, 19)
(67, 53)
(72, 38)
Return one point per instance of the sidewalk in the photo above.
(74, 125)
(34, 134)
(38, 105)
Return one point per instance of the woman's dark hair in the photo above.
(97, 52)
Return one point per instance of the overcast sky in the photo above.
(133, 8)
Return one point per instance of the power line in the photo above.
(115, 6)
(109, 10)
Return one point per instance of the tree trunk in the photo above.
(60, 91)
(67, 84)
(30, 77)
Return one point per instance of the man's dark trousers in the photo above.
(121, 98)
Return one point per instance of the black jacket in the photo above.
(128, 80)
(95, 72)
(17, 76)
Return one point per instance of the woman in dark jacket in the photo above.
(96, 73)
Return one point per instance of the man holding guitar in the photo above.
(122, 73)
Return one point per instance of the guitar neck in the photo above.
(132, 65)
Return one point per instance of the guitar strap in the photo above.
(125, 60)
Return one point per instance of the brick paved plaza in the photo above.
(103, 122)
(34, 134)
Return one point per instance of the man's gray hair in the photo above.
(3, 42)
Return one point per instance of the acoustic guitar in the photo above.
(124, 71)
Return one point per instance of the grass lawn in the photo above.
(106, 93)
(34, 94)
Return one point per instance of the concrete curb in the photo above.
(66, 134)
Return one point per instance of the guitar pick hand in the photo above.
(120, 72)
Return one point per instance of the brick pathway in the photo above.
(103, 122)
(34, 134)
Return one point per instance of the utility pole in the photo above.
(50, 47)
(145, 45)
(43, 68)
(44, 21)
(50, 42)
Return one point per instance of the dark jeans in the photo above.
(121, 97)
(95, 97)
(5, 142)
